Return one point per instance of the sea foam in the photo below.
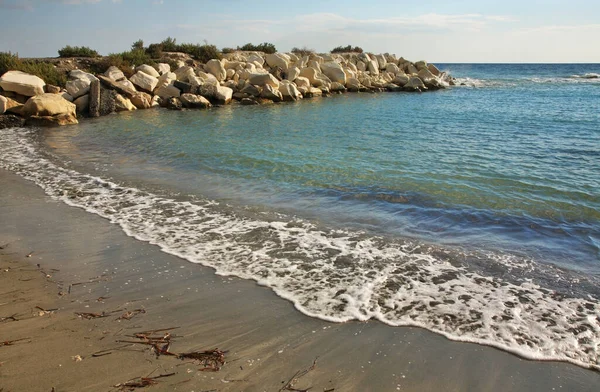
(337, 275)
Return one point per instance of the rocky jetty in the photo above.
(247, 77)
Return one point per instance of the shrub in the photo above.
(46, 71)
(227, 50)
(139, 44)
(303, 51)
(77, 51)
(126, 61)
(155, 51)
(266, 47)
(347, 49)
(169, 45)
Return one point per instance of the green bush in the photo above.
(266, 47)
(77, 51)
(46, 71)
(169, 45)
(202, 53)
(303, 51)
(347, 49)
(155, 51)
(139, 44)
(227, 50)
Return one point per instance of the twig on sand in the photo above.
(289, 386)
(12, 342)
(90, 316)
(11, 318)
(212, 360)
(131, 314)
(141, 382)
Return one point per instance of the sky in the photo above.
(443, 31)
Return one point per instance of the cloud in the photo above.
(15, 5)
(560, 28)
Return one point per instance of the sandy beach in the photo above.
(58, 260)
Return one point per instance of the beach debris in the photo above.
(89, 316)
(289, 386)
(131, 314)
(12, 342)
(43, 312)
(9, 318)
(77, 358)
(141, 382)
(31, 254)
(211, 360)
(101, 299)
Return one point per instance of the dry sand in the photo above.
(266, 339)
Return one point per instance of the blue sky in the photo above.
(434, 30)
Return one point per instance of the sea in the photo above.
(473, 212)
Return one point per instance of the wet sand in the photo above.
(266, 339)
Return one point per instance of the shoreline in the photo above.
(248, 320)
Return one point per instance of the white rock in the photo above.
(315, 77)
(67, 96)
(3, 104)
(400, 79)
(288, 91)
(256, 58)
(414, 83)
(126, 84)
(147, 69)
(420, 65)
(114, 73)
(334, 71)
(193, 101)
(166, 79)
(335, 86)
(392, 68)
(168, 91)
(353, 84)
(277, 60)
(184, 73)
(373, 67)
(434, 70)
(263, 80)
(410, 69)
(223, 94)
(272, 93)
(82, 104)
(380, 61)
(144, 81)
(123, 104)
(302, 82)
(163, 68)
(425, 75)
(230, 73)
(78, 87)
(22, 83)
(216, 68)
(361, 66)
(292, 73)
(79, 74)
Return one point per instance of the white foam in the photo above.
(334, 275)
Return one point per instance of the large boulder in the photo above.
(166, 79)
(414, 84)
(392, 68)
(271, 93)
(292, 73)
(223, 95)
(410, 68)
(421, 65)
(144, 81)
(277, 60)
(141, 100)
(78, 87)
(288, 91)
(50, 109)
(255, 58)
(167, 92)
(184, 73)
(163, 68)
(381, 61)
(124, 86)
(216, 68)
(263, 80)
(315, 77)
(82, 104)
(148, 70)
(373, 67)
(334, 71)
(251, 89)
(3, 104)
(302, 82)
(22, 83)
(79, 74)
(114, 73)
(353, 84)
(193, 101)
(401, 79)
(123, 104)
(434, 70)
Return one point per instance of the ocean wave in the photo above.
(483, 83)
(586, 76)
(340, 275)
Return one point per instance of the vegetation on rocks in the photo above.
(303, 51)
(265, 47)
(46, 71)
(202, 53)
(77, 51)
(347, 49)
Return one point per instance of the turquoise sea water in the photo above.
(472, 211)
